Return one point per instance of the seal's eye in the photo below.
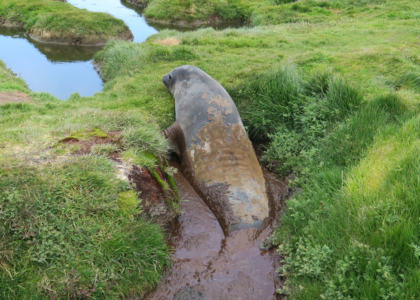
(170, 76)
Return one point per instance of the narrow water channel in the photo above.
(209, 266)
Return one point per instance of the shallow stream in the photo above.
(208, 266)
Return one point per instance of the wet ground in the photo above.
(206, 265)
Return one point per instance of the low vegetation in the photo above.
(339, 110)
(336, 100)
(271, 12)
(72, 226)
(59, 22)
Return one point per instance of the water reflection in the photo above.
(57, 69)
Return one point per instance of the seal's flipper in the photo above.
(174, 134)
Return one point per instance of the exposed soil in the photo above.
(211, 20)
(45, 36)
(168, 42)
(206, 265)
(14, 97)
(87, 144)
(154, 198)
(10, 23)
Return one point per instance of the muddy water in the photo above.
(206, 265)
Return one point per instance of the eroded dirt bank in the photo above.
(70, 38)
(206, 265)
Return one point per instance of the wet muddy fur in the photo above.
(217, 156)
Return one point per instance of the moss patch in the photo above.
(129, 202)
(85, 135)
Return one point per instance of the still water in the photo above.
(57, 69)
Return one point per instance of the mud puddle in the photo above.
(206, 265)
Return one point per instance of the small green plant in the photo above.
(104, 149)
(85, 135)
(75, 220)
(129, 202)
(145, 139)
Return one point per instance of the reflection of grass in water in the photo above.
(63, 53)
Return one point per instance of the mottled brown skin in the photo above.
(217, 156)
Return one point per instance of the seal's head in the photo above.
(183, 77)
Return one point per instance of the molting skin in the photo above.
(216, 154)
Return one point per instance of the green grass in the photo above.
(336, 99)
(9, 81)
(271, 12)
(65, 232)
(71, 226)
(51, 21)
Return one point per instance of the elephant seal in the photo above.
(216, 155)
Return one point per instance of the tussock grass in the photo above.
(124, 58)
(352, 233)
(365, 220)
(408, 80)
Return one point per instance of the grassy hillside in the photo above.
(56, 21)
(336, 98)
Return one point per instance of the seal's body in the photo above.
(216, 153)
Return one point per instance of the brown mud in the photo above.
(209, 266)
(14, 97)
(155, 200)
(71, 38)
(11, 23)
